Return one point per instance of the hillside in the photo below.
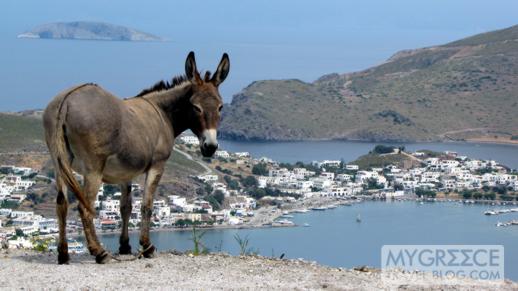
(88, 30)
(22, 144)
(467, 89)
(20, 132)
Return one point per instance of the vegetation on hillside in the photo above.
(460, 90)
(18, 133)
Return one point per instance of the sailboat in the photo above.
(358, 218)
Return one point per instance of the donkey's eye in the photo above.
(220, 108)
(197, 108)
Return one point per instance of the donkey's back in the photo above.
(103, 133)
(84, 110)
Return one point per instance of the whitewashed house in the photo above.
(222, 154)
(352, 167)
(190, 140)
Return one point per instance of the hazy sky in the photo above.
(266, 40)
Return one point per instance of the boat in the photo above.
(319, 208)
(331, 207)
(490, 212)
(287, 216)
(306, 224)
(304, 210)
(358, 218)
(74, 247)
(283, 222)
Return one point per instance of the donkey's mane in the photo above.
(166, 85)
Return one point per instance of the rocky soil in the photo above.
(34, 271)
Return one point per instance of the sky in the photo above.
(265, 39)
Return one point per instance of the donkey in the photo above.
(106, 139)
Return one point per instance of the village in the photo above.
(266, 196)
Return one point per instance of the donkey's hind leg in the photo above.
(125, 207)
(91, 186)
(61, 212)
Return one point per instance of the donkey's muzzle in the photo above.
(209, 143)
(208, 149)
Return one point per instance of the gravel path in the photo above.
(34, 271)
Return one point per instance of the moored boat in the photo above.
(283, 222)
(74, 247)
(319, 208)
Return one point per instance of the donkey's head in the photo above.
(206, 103)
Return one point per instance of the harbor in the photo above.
(345, 242)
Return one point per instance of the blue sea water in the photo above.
(335, 238)
(308, 151)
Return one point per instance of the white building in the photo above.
(190, 140)
(19, 214)
(242, 154)
(222, 154)
(111, 205)
(208, 178)
(329, 163)
(327, 175)
(351, 167)
(321, 183)
(344, 177)
(178, 201)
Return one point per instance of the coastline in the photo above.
(444, 141)
(265, 216)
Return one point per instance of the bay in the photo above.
(334, 237)
(308, 151)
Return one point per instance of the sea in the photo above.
(335, 238)
(308, 151)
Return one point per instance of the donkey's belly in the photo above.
(120, 170)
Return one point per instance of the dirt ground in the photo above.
(35, 271)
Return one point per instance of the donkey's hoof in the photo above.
(102, 258)
(149, 252)
(63, 258)
(125, 250)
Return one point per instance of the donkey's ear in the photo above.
(222, 71)
(190, 68)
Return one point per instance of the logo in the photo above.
(418, 264)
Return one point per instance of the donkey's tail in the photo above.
(57, 143)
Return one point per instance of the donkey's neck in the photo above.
(174, 104)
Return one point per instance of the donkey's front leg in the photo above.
(125, 208)
(152, 178)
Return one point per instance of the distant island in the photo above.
(88, 30)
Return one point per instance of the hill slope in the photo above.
(19, 132)
(88, 30)
(461, 90)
